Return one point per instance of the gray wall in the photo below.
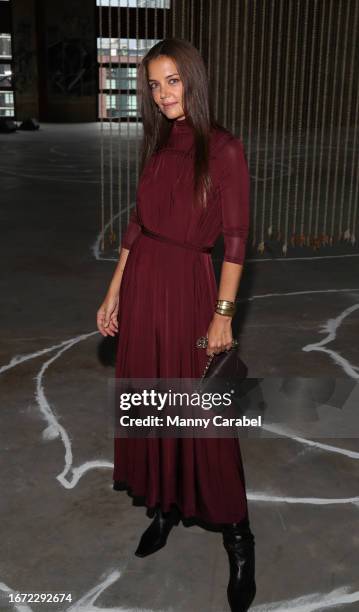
(55, 59)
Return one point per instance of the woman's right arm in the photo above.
(107, 314)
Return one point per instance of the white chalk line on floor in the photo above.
(311, 603)
(18, 359)
(281, 431)
(55, 430)
(87, 602)
(261, 296)
(305, 603)
(331, 327)
(287, 499)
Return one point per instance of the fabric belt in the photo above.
(186, 245)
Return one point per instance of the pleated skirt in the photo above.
(166, 302)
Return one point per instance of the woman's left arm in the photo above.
(234, 201)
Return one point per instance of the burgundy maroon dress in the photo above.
(167, 300)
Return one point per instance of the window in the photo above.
(121, 77)
(130, 48)
(118, 59)
(6, 104)
(5, 75)
(115, 106)
(162, 4)
(5, 46)
(6, 94)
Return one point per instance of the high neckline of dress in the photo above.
(182, 125)
(181, 136)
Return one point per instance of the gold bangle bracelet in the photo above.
(220, 307)
(225, 311)
(225, 303)
(225, 314)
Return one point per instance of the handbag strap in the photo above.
(202, 343)
(207, 365)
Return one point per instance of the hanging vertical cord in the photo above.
(200, 35)
(304, 27)
(191, 26)
(340, 120)
(309, 96)
(226, 64)
(267, 146)
(348, 233)
(292, 115)
(283, 160)
(102, 158)
(128, 174)
(119, 136)
(324, 129)
(164, 17)
(235, 71)
(284, 152)
(250, 95)
(279, 37)
(318, 106)
(155, 29)
(260, 246)
(136, 139)
(183, 20)
(354, 195)
(355, 171)
(324, 132)
(217, 57)
(244, 54)
(110, 118)
(173, 26)
(146, 23)
(209, 62)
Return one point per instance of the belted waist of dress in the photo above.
(186, 245)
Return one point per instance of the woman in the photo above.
(163, 296)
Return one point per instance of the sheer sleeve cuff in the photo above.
(234, 199)
(133, 229)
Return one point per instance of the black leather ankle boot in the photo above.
(238, 541)
(155, 536)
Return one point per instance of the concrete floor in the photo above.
(63, 528)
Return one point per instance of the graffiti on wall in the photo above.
(71, 59)
(70, 68)
(24, 60)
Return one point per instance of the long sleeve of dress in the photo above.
(234, 197)
(132, 230)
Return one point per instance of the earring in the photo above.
(158, 109)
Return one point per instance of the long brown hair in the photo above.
(196, 102)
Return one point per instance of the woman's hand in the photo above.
(107, 315)
(219, 334)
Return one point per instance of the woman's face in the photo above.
(166, 87)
